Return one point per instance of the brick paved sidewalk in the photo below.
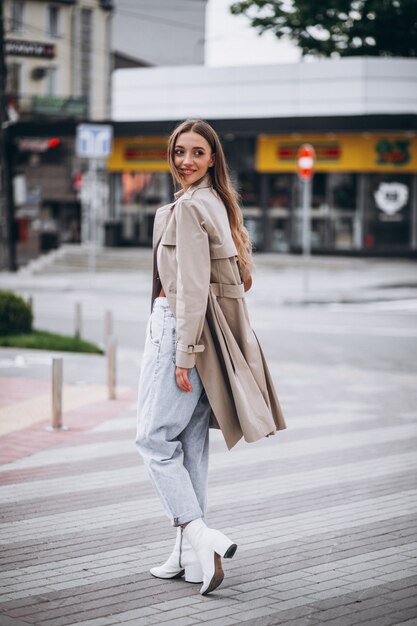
(324, 515)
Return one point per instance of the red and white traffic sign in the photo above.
(305, 159)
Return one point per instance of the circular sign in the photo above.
(305, 159)
(391, 197)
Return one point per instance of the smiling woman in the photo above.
(202, 364)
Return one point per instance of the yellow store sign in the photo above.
(385, 152)
(138, 154)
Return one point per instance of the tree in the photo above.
(338, 27)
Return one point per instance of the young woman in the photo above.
(202, 364)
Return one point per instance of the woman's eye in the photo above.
(177, 151)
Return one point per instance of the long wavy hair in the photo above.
(221, 182)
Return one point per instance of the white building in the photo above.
(360, 114)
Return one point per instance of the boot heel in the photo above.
(193, 574)
(230, 552)
(223, 545)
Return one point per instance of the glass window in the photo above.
(280, 186)
(138, 195)
(53, 21)
(14, 72)
(319, 214)
(86, 48)
(248, 187)
(344, 216)
(279, 205)
(13, 89)
(16, 16)
(51, 81)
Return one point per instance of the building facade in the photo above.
(51, 50)
(58, 59)
(360, 114)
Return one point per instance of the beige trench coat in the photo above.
(195, 261)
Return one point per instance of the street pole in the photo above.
(92, 215)
(305, 157)
(93, 142)
(7, 246)
(306, 232)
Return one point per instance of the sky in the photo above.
(231, 41)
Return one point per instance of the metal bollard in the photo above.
(57, 369)
(108, 326)
(78, 320)
(111, 366)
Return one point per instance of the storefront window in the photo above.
(344, 215)
(279, 203)
(250, 200)
(319, 216)
(333, 212)
(138, 196)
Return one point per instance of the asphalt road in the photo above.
(356, 313)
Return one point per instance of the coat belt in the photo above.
(221, 290)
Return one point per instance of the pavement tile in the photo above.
(216, 614)
(11, 621)
(221, 621)
(407, 615)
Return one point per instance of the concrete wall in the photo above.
(350, 86)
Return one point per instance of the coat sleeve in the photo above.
(193, 280)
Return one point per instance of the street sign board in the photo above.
(305, 158)
(94, 140)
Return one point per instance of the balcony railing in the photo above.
(46, 106)
(107, 5)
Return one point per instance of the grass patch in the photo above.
(43, 340)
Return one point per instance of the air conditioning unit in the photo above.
(38, 73)
(107, 5)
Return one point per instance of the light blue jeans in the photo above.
(173, 425)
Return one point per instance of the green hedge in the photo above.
(42, 340)
(15, 314)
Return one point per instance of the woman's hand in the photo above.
(248, 283)
(183, 382)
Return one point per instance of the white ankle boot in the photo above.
(183, 560)
(209, 545)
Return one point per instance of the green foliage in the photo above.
(42, 340)
(338, 27)
(15, 314)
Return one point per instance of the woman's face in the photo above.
(192, 157)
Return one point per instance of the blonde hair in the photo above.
(221, 182)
